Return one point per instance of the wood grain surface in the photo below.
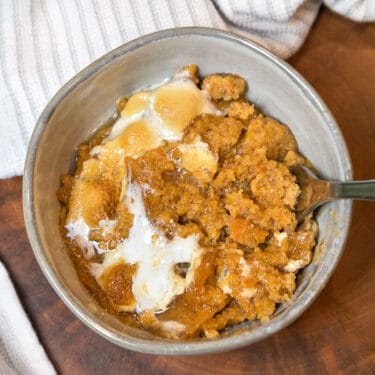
(334, 336)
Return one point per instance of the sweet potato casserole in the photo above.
(180, 218)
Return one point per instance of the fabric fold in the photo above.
(20, 350)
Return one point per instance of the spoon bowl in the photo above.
(315, 191)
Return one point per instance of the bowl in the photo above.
(88, 100)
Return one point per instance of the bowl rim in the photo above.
(180, 347)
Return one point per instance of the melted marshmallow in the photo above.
(149, 117)
(155, 282)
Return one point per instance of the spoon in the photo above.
(315, 192)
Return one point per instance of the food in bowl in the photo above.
(180, 218)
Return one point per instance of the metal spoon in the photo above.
(315, 192)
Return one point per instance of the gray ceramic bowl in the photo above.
(88, 100)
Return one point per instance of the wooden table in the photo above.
(336, 334)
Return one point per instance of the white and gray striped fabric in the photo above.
(20, 350)
(45, 42)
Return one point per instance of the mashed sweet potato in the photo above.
(214, 205)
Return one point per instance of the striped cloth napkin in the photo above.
(43, 43)
(20, 350)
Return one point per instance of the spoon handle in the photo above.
(354, 190)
